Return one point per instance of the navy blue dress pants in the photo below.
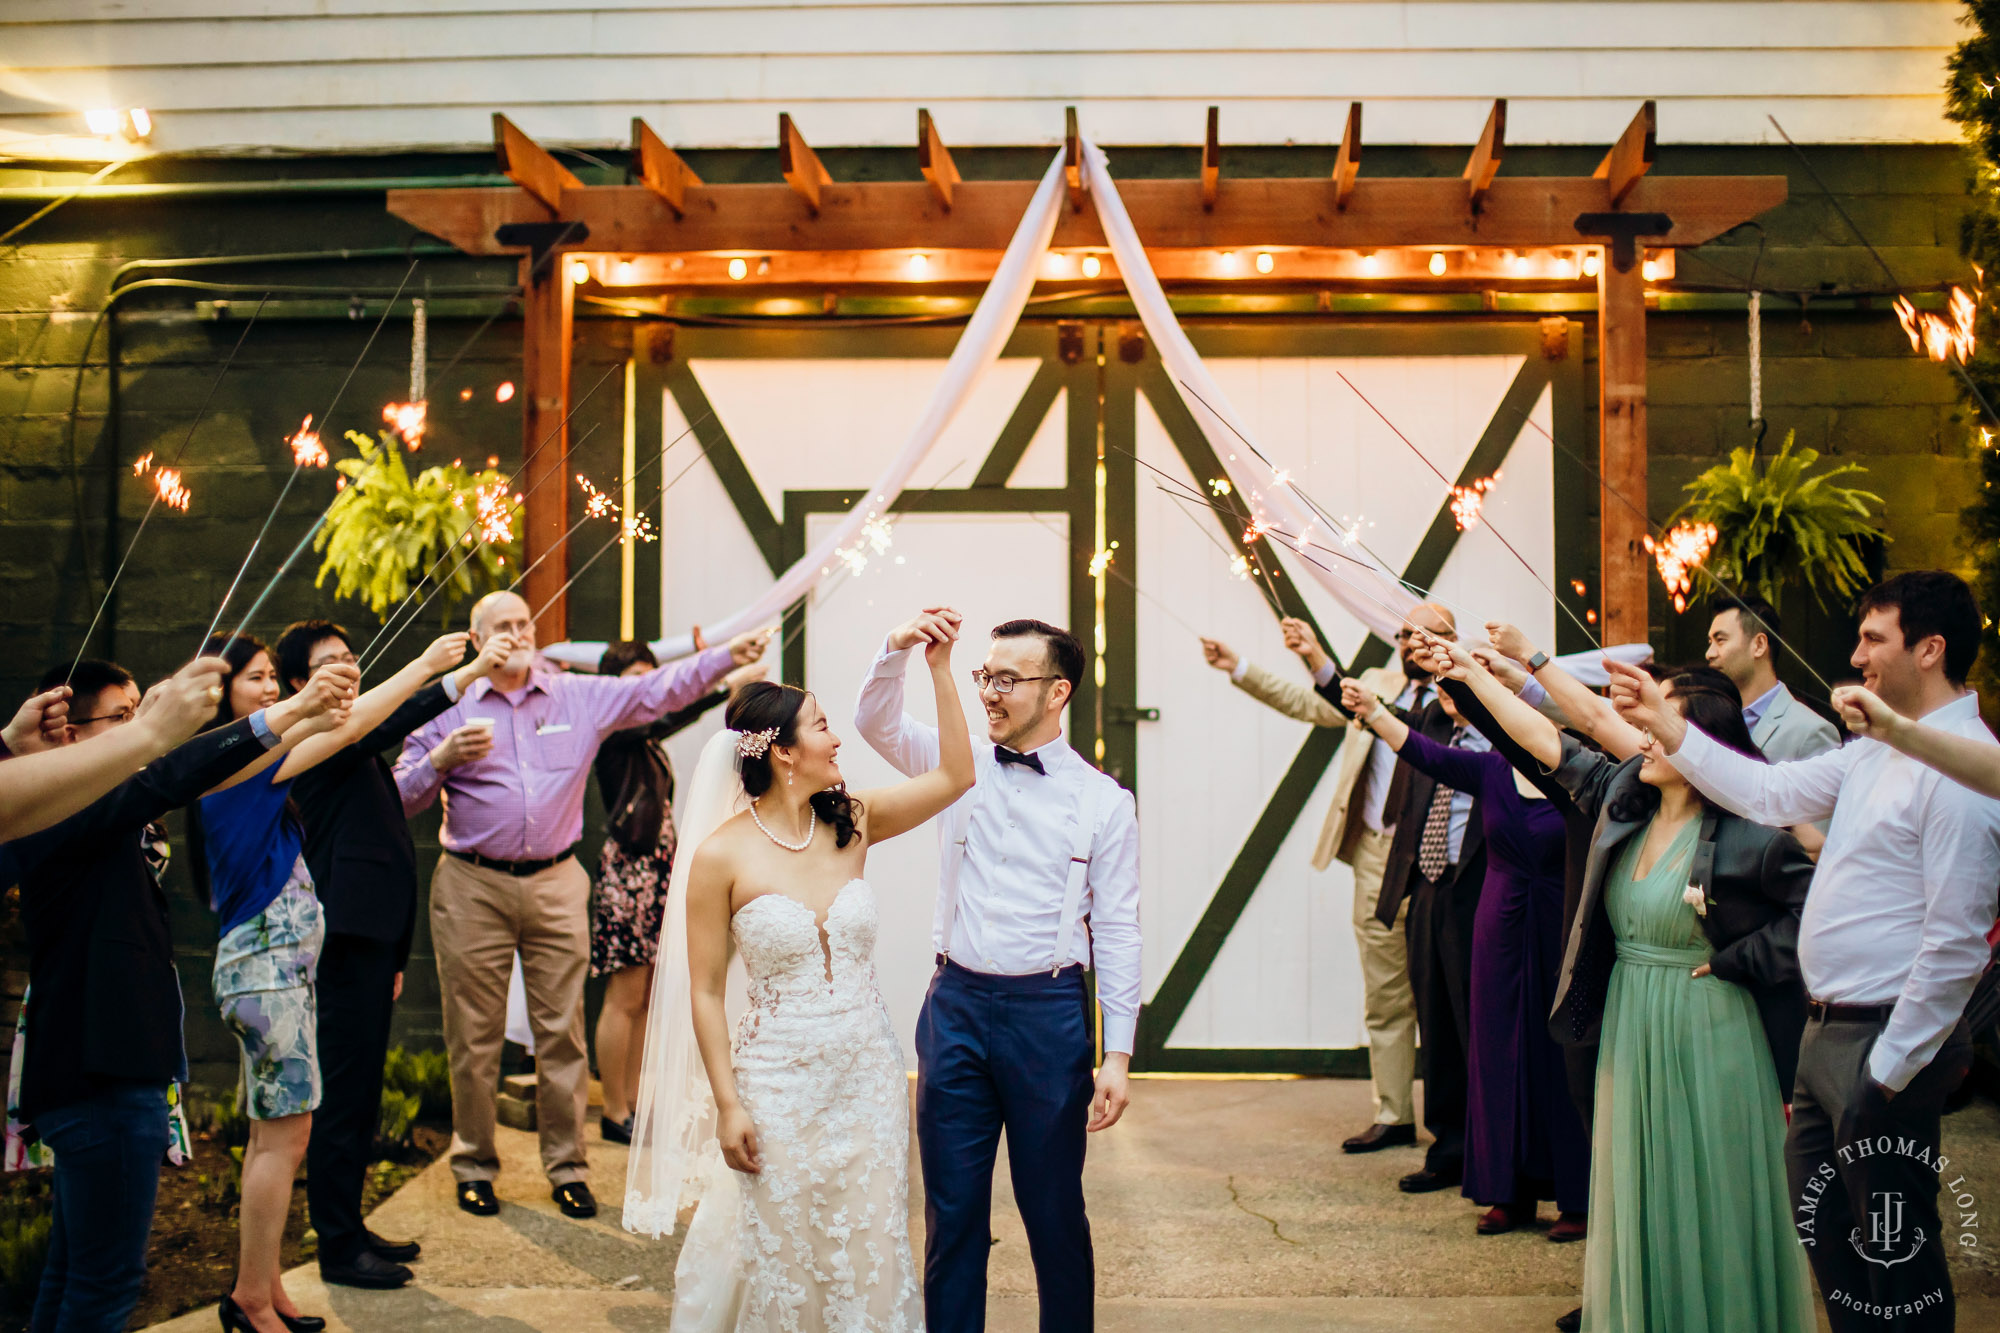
(1010, 1053)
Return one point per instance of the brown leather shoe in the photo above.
(1377, 1137)
(1502, 1218)
(1569, 1227)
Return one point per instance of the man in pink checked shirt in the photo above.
(511, 759)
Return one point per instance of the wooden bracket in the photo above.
(1348, 165)
(530, 166)
(1073, 161)
(1631, 157)
(934, 159)
(800, 164)
(1211, 161)
(660, 168)
(1485, 163)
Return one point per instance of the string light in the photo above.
(1437, 263)
(307, 451)
(465, 395)
(1937, 336)
(1591, 264)
(1679, 551)
(579, 271)
(1650, 270)
(920, 264)
(407, 420)
(1265, 262)
(505, 393)
(1092, 266)
(739, 269)
(1576, 586)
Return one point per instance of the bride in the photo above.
(795, 1144)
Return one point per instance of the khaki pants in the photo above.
(1388, 1008)
(479, 917)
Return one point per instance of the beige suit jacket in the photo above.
(1343, 826)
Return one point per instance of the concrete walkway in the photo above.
(1218, 1205)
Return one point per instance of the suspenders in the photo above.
(1079, 871)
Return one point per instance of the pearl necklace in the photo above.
(758, 820)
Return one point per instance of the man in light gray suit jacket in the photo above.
(1742, 645)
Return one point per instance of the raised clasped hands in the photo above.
(1219, 655)
(1441, 657)
(1359, 701)
(932, 625)
(327, 696)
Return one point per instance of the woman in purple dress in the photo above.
(1523, 1140)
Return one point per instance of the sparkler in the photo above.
(407, 420)
(1939, 337)
(1680, 551)
(1468, 501)
(167, 487)
(307, 451)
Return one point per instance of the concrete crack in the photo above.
(1237, 1199)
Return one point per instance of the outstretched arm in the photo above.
(899, 738)
(320, 707)
(897, 810)
(1587, 711)
(373, 708)
(1961, 758)
(709, 884)
(1531, 731)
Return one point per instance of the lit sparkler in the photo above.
(1101, 561)
(1678, 552)
(307, 451)
(877, 535)
(1941, 337)
(139, 468)
(637, 528)
(166, 483)
(596, 504)
(1220, 486)
(1239, 565)
(407, 420)
(1467, 502)
(494, 514)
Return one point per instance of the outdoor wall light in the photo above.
(1437, 263)
(738, 270)
(1092, 266)
(134, 124)
(1265, 263)
(920, 264)
(579, 271)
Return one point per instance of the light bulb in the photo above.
(920, 264)
(625, 272)
(505, 392)
(102, 122)
(579, 271)
(1230, 259)
(1591, 264)
(142, 123)
(1516, 261)
(1371, 263)
(1437, 263)
(1265, 263)
(1092, 266)
(1650, 270)
(738, 270)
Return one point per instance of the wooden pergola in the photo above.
(671, 233)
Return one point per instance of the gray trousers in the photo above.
(1865, 1173)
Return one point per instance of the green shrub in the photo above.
(423, 1075)
(26, 1214)
(399, 1113)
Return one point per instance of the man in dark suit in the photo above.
(364, 868)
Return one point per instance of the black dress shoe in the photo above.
(393, 1251)
(476, 1197)
(366, 1269)
(300, 1323)
(1377, 1137)
(615, 1131)
(234, 1320)
(576, 1199)
(1572, 1321)
(1426, 1180)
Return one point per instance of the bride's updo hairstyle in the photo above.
(765, 705)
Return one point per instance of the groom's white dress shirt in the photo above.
(1015, 870)
(1906, 888)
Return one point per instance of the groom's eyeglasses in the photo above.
(1002, 684)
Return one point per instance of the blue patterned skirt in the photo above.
(264, 984)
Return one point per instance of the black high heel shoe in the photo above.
(234, 1320)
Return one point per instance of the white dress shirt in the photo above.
(1015, 868)
(1906, 888)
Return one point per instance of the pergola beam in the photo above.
(1485, 162)
(1079, 194)
(660, 168)
(1211, 161)
(802, 168)
(1347, 166)
(530, 166)
(1631, 157)
(934, 160)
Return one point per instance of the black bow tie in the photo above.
(1007, 756)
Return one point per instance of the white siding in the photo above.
(377, 74)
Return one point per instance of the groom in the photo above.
(1038, 879)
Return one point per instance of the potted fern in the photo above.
(1779, 522)
(388, 532)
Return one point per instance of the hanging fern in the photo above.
(386, 530)
(1782, 523)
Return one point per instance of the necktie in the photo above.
(1007, 756)
(1399, 778)
(1432, 849)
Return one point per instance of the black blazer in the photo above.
(1433, 722)
(106, 1007)
(357, 840)
(1755, 879)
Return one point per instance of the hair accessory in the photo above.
(753, 744)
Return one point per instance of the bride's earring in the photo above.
(791, 776)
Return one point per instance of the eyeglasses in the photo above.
(339, 659)
(1003, 684)
(1405, 635)
(122, 715)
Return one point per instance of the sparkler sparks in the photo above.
(877, 535)
(166, 484)
(596, 503)
(1239, 565)
(494, 515)
(637, 528)
(1941, 337)
(1101, 561)
(307, 451)
(407, 420)
(1220, 486)
(1680, 549)
(139, 468)
(1467, 502)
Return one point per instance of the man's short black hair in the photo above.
(295, 645)
(622, 655)
(1065, 653)
(1927, 602)
(1758, 617)
(92, 676)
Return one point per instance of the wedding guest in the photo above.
(51, 780)
(511, 759)
(1357, 831)
(251, 856)
(1963, 758)
(1743, 645)
(1690, 1210)
(103, 1034)
(363, 865)
(636, 780)
(1892, 944)
(1523, 1140)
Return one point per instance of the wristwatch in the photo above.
(1537, 662)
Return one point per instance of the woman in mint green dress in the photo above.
(1683, 956)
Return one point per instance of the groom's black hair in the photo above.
(1065, 653)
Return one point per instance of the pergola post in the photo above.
(545, 355)
(1621, 451)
